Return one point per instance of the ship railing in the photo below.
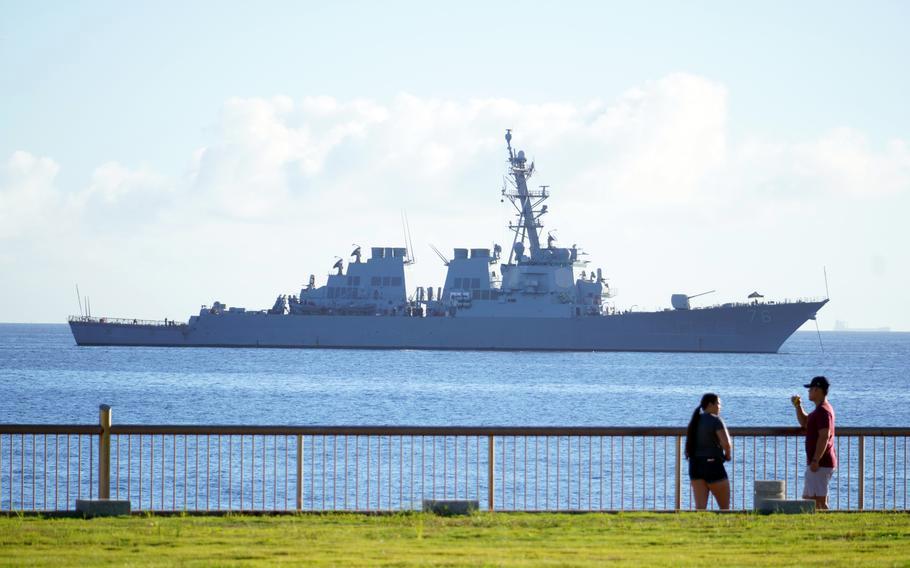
(797, 300)
(394, 468)
(763, 302)
(125, 321)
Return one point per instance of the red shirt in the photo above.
(820, 418)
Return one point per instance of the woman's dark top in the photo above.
(707, 443)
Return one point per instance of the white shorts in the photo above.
(816, 484)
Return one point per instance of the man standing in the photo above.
(820, 454)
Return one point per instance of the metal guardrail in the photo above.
(125, 321)
(389, 468)
(763, 303)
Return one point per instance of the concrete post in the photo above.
(104, 453)
(490, 475)
(766, 490)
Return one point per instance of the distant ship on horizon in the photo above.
(541, 297)
(841, 325)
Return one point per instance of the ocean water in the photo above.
(46, 378)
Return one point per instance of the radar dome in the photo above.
(519, 249)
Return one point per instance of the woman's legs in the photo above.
(700, 494)
(721, 491)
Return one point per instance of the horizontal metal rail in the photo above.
(764, 303)
(125, 321)
(236, 429)
(45, 467)
(62, 429)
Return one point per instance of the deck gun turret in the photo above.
(681, 301)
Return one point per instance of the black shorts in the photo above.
(708, 469)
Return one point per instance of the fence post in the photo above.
(862, 470)
(490, 474)
(299, 472)
(104, 453)
(678, 473)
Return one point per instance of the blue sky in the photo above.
(163, 153)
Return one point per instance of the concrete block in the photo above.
(759, 502)
(788, 506)
(450, 506)
(102, 507)
(770, 486)
(768, 489)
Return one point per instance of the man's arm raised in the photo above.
(800, 413)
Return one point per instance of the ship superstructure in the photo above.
(542, 298)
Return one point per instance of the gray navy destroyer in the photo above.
(542, 297)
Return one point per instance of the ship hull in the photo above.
(761, 328)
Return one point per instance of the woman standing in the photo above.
(707, 448)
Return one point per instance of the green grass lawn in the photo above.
(501, 539)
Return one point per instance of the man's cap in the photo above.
(820, 382)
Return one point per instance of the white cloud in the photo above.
(655, 143)
(267, 149)
(112, 182)
(28, 197)
(844, 161)
(32, 205)
(839, 163)
(660, 141)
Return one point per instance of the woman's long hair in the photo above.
(692, 429)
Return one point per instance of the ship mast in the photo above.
(526, 201)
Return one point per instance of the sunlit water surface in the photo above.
(45, 377)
